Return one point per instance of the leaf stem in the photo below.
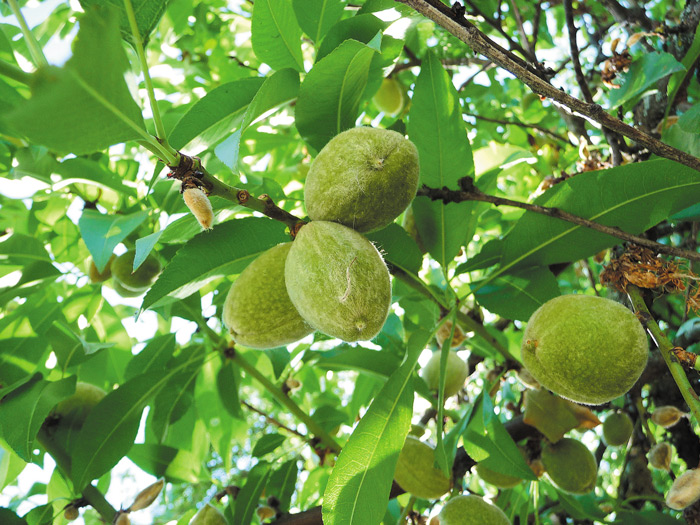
(11, 71)
(665, 347)
(288, 403)
(138, 44)
(34, 47)
(406, 510)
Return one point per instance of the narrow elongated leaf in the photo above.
(154, 356)
(227, 380)
(633, 197)
(247, 499)
(20, 249)
(517, 294)
(110, 429)
(487, 441)
(359, 485)
(346, 357)
(87, 102)
(362, 28)
(283, 482)
(85, 171)
(102, 233)
(281, 87)
(216, 113)
(10, 518)
(317, 16)
(225, 250)
(23, 411)
(398, 248)
(161, 460)
(147, 12)
(436, 127)
(329, 97)
(276, 35)
(267, 443)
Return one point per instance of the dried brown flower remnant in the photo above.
(685, 490)
(667, 416)
(618, 63)
(639, 266)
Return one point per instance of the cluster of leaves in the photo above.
(255, 91)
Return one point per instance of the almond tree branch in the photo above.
(504, 122)
(480, 43)
(472, 194)
(274, 421)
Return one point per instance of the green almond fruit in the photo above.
(570, 465)
(337, 281)
(455, 374)
(141, 279)
(258, 312)
(208, 515)
(390, 97)
(416, 472)
(617, 429)
(502, 481)
(471, 510)
(585, 348)
(99, 277)
(363, 178)
(124, 292)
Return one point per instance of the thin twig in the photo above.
(480, 43)
(274, 421)
(446, 195)
(521, 29)
(580, 78)
(504, 122)
(499, 27)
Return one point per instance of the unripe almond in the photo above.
(147, 496)
(200, 206)
(416, 472)
(660, 456)
(455, 373)
(685, 490)
(667, 416)
(71, 513)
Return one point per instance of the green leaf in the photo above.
(84, 171)
(633, 197)
(110, 429)
(329, 96)
(281, 87)
(168, 462)
(359, 485)
(276, 35)
(24, 410)
(690, 120)
(317, 16)
(347, 357)
(279, 358)
(283, 483)
(85, 106)
(19, 249)
(42, 515)
(436, 127)
(643, 75)
(487, 441)
(398, 248)
(11, 466)
(147, 13)
(362, 28)
(266, 444)
(644, 517)
(10, 518)
(213, 116)
(517, 294)
(247, 499)
(225, 250)
(227, 380)
(102, 233)
(154, 356)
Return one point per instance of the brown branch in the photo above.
(499, 27)
(525, 42)
(480, 43)
(571, 29)
(446, 195)
(541, 129)
(274, 421)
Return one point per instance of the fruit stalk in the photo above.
(666, 349)
(11, 71)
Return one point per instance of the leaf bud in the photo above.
(147, 496)
(200, 206)
(685, 490)
(667, 416)
(71, 513)
(660, 456)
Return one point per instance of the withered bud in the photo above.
(526, 378)
(292, 384)
(667, 416)
(685, 490)
(660, 456)
(443, 334)
(537, 467)
(147, 496)
(71, 513)
(265, 513)
(122, 519)
(434, 520)
(200, 206)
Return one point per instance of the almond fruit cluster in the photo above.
(331, 278)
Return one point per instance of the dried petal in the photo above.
(147, 496)
(200, 206)
(667, 416)
(685, 490)
(123, 519)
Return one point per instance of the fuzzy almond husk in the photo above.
(200, 206)
(660, 456)
(471, 510)
(570, 465)
(416, 472)
(685, 490)
(667, 416)
(455, 374)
